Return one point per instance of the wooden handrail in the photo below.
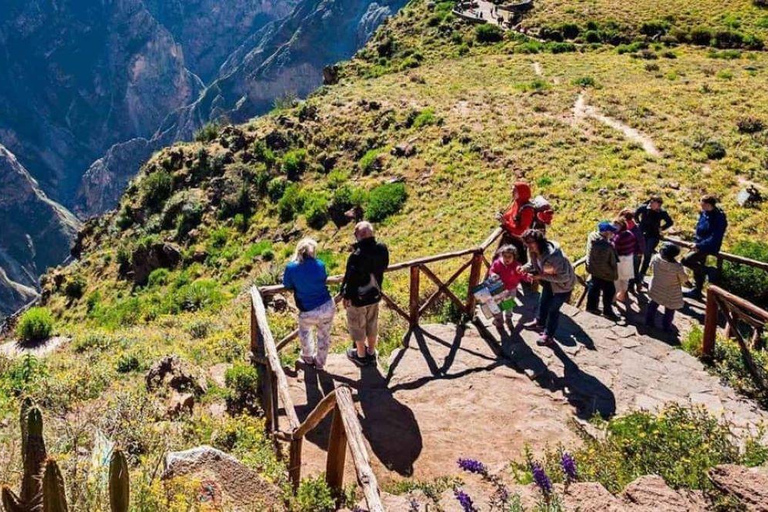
(274, 359)
(733, 258)
(715, 295)
(317, 415)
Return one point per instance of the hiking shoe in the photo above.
(371, 358)
(594, 311)
(545, 341)
(359, 361)
(534, 326)
(613, 317)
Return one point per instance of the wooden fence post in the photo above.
(264, 387)
(710, 324)
(474, 280)
(337, 454)
(294, 463)
(414, 296)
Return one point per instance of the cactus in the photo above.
(119, 484)
(34, 459)
(54, 496)
(26, 405)
(11, 502)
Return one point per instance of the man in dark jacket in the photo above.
(652, 219)
(361, 290)
(710, 231)
(603, 266)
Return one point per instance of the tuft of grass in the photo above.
(35, 324)
(385, 200)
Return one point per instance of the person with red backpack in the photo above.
(523, 214)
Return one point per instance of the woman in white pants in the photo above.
(305, 275)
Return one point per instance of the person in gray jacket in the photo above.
(548, 265)
(603, 266)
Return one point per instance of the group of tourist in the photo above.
(620, 252)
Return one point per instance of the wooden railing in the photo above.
(345, 427)
(735, 310)
(722, 256)
(346, 431)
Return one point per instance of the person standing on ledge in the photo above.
(517, 219)
(602, 265)
(710, 232)
(361, 291)
(652, 219)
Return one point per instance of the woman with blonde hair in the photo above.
(305, 275)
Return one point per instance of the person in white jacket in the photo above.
(666, 288)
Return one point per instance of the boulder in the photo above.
(175, 374)
(748, 485)
(652, 493)
(179, 404)
(404, 149)
(276, 140)
(146, 259)
(331, 75)
(224, 480)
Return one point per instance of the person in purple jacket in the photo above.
(636, 284)
(710, 232)
(625, 244)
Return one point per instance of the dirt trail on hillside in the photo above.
(537, 69)
(581, 111)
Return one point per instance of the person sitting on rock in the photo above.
(625, 243)
(602, 265)
(549, 266)
(508, 269)
(305, 275)
(361, 290)
(666, 288)
(710, 232)
(517, 219)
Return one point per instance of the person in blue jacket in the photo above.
(710, 231)
(305, 275)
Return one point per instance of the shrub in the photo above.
(585, 81)
(654, 28)
(75, 287)
(679, 444)
(35, 324)
(561, 47)
(291, 203)
(295, 163)
(570, 30)
(155, 189)
(701, 36)
(750, 125)
(315, 209)
(713, 149)
(727, 39)
(746, 281)
(488, 33)
(263, 153)
(314, 495)
(258, 249)
(127, 363)
(242, 380)
(425, 118)
(592, 36)
(276, 188)
(385, 200)
(200, 294)
(370, 161)
(208, 133)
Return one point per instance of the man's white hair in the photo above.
(306, 248)
(364, 228)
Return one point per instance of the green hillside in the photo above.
(479, 116)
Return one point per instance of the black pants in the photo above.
(697, 261)
(608, 290)
(651, 244)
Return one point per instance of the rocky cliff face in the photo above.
(36, 233)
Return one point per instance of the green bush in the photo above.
(701, 36)
(713, 149)
(561, 47)
(679, 444)
(654, 28)
(197, 295)
(385, 200)
(276, 188)
(750, 125)
(258, 249)
(488, 33)
(585, 81)
(570, 30)
(155, 189)
(370, 161)
(291, 203)
(315, 209)
(425, 118)
(35, 324)
(243, 383)
(75, 287)
(264, 153)
(208, 133)
(295, 163)
(314, 495)
(158, 277)
(745, 281)
(127, 363)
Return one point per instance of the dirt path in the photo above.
(581, 111)
(14, 349)
(537, 69)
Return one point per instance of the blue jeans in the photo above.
(550, 304)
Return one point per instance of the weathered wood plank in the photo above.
(337, 454)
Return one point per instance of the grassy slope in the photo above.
(496, 121)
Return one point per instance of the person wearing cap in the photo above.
(518, 218)
(603, 266)
(710, 231)
(666, 287)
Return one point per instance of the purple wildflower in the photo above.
(473, 466)
(465, 501)
(568, 464)
(541, 479)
